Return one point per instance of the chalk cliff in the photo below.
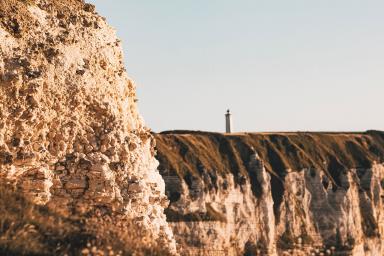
(71, 138)
(275, 194)
(70, 133)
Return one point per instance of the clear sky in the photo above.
(279, 65)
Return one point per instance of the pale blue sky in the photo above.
(279, 65)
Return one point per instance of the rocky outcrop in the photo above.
(275, 194)
(70, 134)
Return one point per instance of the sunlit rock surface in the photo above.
(70, 134)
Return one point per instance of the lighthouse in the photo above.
(228, 122)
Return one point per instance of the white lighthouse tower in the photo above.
(228, 122)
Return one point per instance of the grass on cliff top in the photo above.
(195, 153)
(26, 229)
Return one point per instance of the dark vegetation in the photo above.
(26, 229)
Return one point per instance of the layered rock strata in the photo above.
(275, 194)
(70, 133)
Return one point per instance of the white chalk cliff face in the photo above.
(299, 195)
(234, 218)
(70, 133)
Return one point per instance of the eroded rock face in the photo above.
(275, 194)
(70, 134)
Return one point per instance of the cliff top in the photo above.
(193, 152)
(16, 18)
